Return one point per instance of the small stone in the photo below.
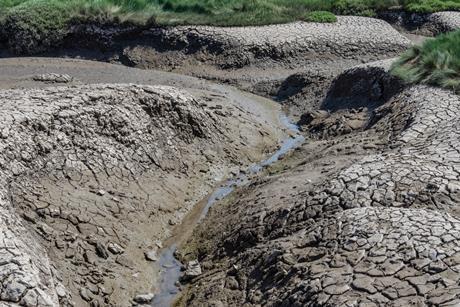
(144, 298)
(70, 253)
(89, 257)
(231, 283)
(151, 255)
(193, 269)
(60, 290)
(85, 294)
(53, 78)
(115, 249)
(101, 251)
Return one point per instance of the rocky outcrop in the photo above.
(93, 176)
(374, 223)
(442, 22)
(424, 24)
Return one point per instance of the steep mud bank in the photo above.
(360, 87)
(262, 60)
(259, 59)
(95, 176)
(366, 217)
(283, 45)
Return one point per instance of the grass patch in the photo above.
(220, 12)
(29, 24)
(429, 6)
(35, 22)
(33, 26)
(436, 62)
(320, 16)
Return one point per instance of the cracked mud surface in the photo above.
(96, 175)
(367, 218)
(351, 37)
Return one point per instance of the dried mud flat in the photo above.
(101, 163)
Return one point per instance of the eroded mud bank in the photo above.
(364, 216)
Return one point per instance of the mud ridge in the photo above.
(95, 175)
(366, 217)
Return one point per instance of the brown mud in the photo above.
(109, 169)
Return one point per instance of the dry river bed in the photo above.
(123, 186)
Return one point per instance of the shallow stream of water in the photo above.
(170, 266)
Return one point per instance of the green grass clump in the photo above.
(429, 6)
(221, 12)
(354, 7)
(29, 25)
(33, 26)
(436, 62)
(320, 16)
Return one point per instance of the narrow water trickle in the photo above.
(170, 266)
(170, 275)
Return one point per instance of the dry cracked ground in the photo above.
(100, 163)
(370, 219)
(99, 173)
